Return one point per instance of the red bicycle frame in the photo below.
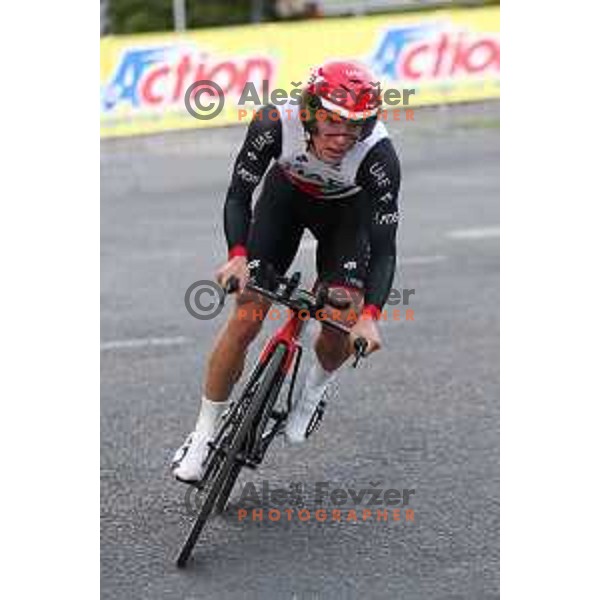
(287, 335)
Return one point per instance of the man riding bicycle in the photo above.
(335, 173)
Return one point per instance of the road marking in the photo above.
(143, 343)
(133, 344)
(477, 233)
(422, 260)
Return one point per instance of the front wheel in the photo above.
(229, 466)
(227, 488)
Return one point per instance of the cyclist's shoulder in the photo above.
(381, 150)
(266, 117)
(264, 130)
(380, 164)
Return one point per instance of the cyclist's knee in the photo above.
(334, 340)
(354, 298)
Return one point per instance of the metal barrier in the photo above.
(125, 17)
(289, 8)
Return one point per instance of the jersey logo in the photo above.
(388, 218)
(378, 171)
(247, 176)
(263, 139)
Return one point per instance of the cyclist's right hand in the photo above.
(236, 267)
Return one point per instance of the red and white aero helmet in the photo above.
(347, 88)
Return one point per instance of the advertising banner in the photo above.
(445, 56)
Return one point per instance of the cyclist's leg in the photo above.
(226, 360)
(273, 240)
(333, 348)
(224, 368)
(342, 257)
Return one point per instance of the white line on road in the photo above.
(143, 343)
(422, 260)
(477, 233)
(137, 343)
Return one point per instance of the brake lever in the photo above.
(321, 294)
(360, 349)
(231, 285)
(291, 284)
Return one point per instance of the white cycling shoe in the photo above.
(187, 462)
(308, 410)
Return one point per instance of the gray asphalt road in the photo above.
(422, 415)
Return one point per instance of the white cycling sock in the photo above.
(313, 392)
(210, 412)
(318, 377)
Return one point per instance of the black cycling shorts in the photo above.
(340, 226)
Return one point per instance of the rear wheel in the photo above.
(228, 465)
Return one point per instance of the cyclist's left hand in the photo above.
(367, 328)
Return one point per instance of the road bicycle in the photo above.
(252, 421)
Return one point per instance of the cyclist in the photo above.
(335, 173)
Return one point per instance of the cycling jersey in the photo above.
(367, 179)
(281, 215)
(313, 176)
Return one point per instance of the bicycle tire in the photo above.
(228, 464)
(259, 425)
(227, 488)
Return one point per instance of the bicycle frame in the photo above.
(288, 335)
(243, 437)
